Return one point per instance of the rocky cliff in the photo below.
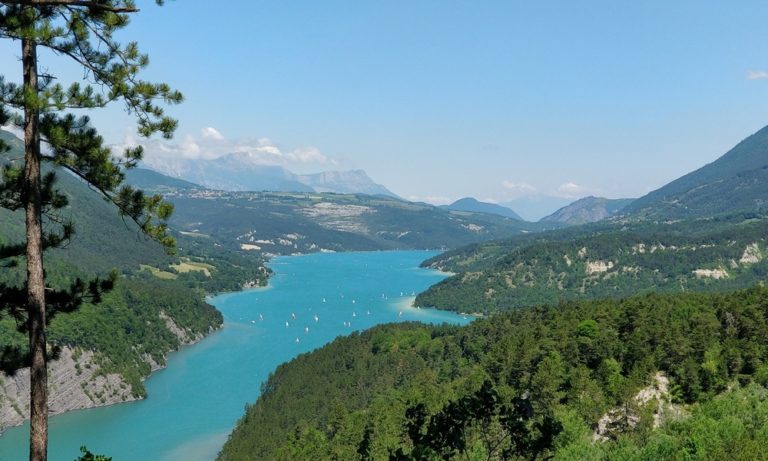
(75, 382)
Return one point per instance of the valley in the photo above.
(591, 250)
(383, 231)
(624, 338)
(313, 222)
(207, 385)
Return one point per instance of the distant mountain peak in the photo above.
(241, 171)
(476, 206)
(587, 210)
(344, 182)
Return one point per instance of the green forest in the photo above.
(125, 328)
(530, 383)
(608, 260)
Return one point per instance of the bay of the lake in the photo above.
(194, 403)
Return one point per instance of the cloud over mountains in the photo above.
(210, 144)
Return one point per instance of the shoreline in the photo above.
(186, 342)
(53, 386)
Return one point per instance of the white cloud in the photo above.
(210, 144)
(308, 155)
(757, 74)
(519, 189)
(212, 133)
(434, 200)
(571, 190)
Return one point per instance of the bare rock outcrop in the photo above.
(626, 418)
(74, 384)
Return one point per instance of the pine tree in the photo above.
(48, 113)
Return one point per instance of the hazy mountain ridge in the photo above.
(587, 210)
(344, 182)
(474, 205)
(289, 223)
(283, 223)
(238, 172)
(144, 178)
(534, 207)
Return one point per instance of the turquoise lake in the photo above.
(194, 403)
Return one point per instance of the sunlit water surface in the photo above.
(194, 403)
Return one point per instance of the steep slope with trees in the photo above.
(109, 348)
(716, 255)
(577, 380)
(703, 231)
(734, 182)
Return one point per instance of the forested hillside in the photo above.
(576, 380)
(704, 231)
(612, 261)
(278, 223)
(734, 182)
(103, 241)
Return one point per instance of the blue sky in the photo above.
(443, 99)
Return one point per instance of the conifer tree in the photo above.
(50, 114)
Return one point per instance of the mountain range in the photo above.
(582, 211)
(703, 231)
(238, 172)
(284, 223)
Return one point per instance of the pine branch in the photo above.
(82, 3)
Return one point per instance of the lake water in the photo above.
(194, 403)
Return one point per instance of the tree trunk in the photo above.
(38, 376)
